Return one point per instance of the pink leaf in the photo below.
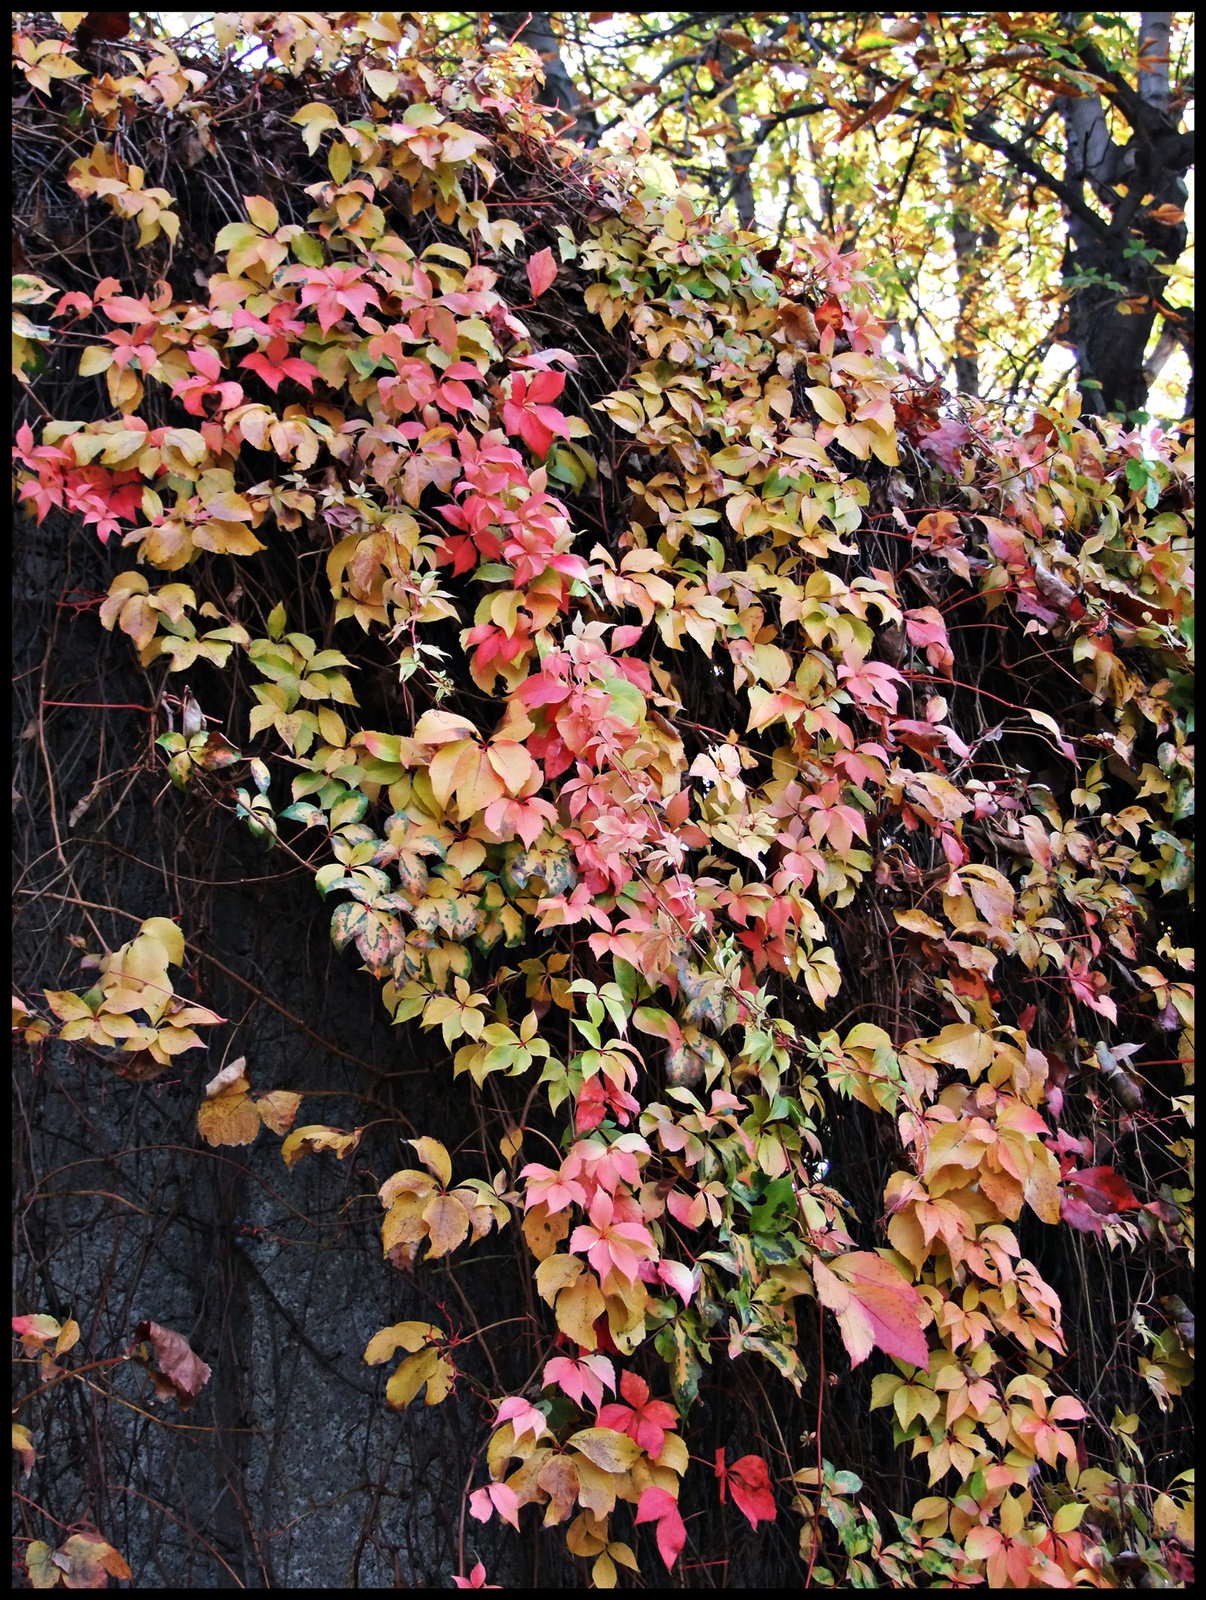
(623, 637)
(542, 269)
(875, 1307)
(679, 1277)
(523, 1417)
(495, 1497)
(476, 1580)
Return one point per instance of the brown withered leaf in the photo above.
(140, 1066)
(558, 1477)
(182, 1372)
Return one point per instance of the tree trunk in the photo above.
(1114, 281)
(963, 236)
(737, 154)
(535, 29)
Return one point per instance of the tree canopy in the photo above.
(755, 783)
(1016, 179)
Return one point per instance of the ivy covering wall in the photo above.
(757, 787)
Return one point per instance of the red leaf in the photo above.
(1006, 542)
(643, 1419)
(926, 626)
(944, 441)
(273, 371)
(750, 1483)
(102, 25)
(658, 1505)
(1077, 1214)
(1103, 1190)
(542, 269)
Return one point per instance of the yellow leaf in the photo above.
(69, 1338)
(278, 1108)
(409, 1336)
(314, 118)
(822, 976)
(262, 212)
(447, 1222)
(383, 84)
(23, 1445)
(96, 358)
(304, 1140)
(512, 763)
(411, 1181)
(603, 1573)
(66, 1006)
(578, 1308)
(587, 1534)
(228, 1119)
(1170, 1516)
(452, 766)
(403, 1222)
(608, 1450)
(428, 1367)
(828, 405)
(43, 1574)
(544, 1232)
(441, 727)
(434, 1157)
(166, 934)
(1068, 1517)
(1041, 1185)
(964, 1046)
(555, 1273)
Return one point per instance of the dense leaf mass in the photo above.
(769, 746)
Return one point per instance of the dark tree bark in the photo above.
(1110, 262)
(737, 154)
(966, 174)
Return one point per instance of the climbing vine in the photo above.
(765, 733)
